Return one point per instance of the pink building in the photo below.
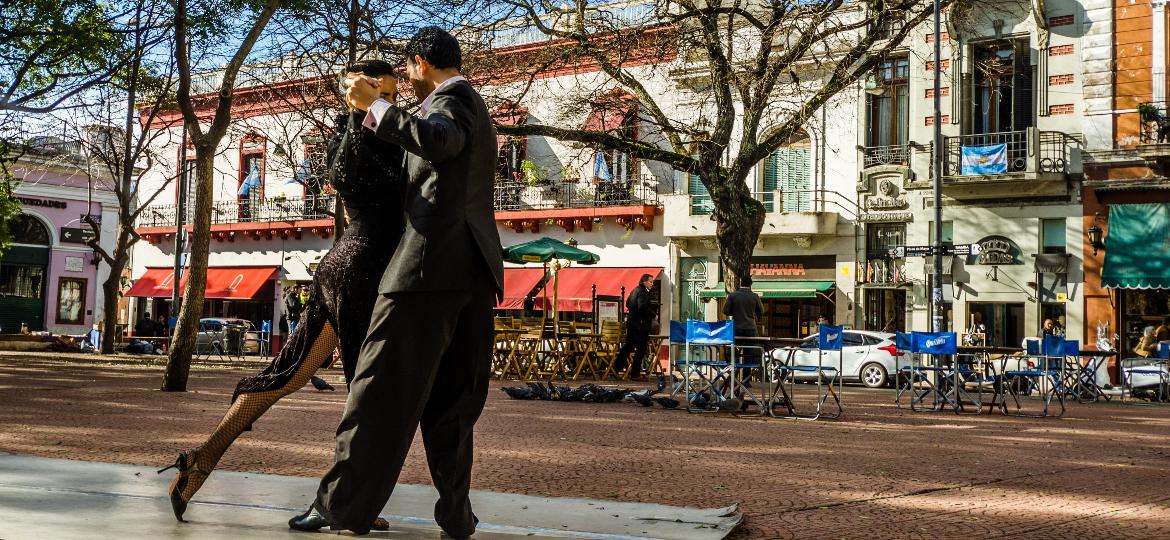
(48, 278)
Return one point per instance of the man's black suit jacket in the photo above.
(450, 232)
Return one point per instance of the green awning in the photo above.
(1136, 254)
(775, 289)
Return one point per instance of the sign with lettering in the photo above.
(819, 267)
(74, 264)
(997, 251)
(73, 235)
(886, 217)
(43, 203)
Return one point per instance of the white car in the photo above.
(867, 357)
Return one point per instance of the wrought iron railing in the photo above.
(1015, 141)
(512, 195)
(791, 201)
(898, 154)
(247, 211)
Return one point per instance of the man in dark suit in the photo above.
(427, 356)
(638, 322)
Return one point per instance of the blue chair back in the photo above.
(1072, 347)
(1164, 350)
(266, 326)
(1032, 346)
(829, 337)
(934, 342)
(710, 333)
(1053, 345)
(678, 332)
(903, 341)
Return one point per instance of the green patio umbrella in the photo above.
(544, 251)
(547, 249)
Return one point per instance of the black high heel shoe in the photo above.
(185, 464)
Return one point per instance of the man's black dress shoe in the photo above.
(310, 521)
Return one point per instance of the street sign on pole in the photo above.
(911, 251)
(75, 235)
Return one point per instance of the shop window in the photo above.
(71, 301)
(22, 280)
(1052, 236)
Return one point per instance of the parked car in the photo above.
(222, 335)
(866, 357)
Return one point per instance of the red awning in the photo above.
(156, 282)
(231, 283)
(575, 284)
(518, 282)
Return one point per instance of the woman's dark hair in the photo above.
(436, 46)
(371, 68)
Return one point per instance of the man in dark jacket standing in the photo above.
(745, 308)
(638, 321)
(427, 358)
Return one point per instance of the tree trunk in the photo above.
(738, 221)
(187, 327)
(112, 287)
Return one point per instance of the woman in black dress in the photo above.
(366, 172)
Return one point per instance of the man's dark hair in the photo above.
(371, 68)
(436, 46)
(745, 281)
(645, 277)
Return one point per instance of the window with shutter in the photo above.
(788, 170)
(701, 203)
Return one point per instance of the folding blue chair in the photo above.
(704, 373)
(829, 338)
(931, 380)
(1043, 375)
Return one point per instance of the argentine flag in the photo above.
(251, 182)
(600, 169)
(991, 159)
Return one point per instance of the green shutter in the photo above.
(787, 169)
(701, 203)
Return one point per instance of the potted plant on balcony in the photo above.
(1148, 112)
(533, 174)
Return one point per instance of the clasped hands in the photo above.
(361, 91)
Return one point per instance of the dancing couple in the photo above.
(406, 294)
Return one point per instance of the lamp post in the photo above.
(936, 299)
(180, 210)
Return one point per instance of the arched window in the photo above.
(789, 169)
(27, 229)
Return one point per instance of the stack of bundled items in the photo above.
(590, 393)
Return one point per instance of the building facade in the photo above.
(1126, 192)
(50, 279)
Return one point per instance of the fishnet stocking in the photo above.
(250, 406)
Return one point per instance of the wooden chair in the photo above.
(505, 343)
(609, 343)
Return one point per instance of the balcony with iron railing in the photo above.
(876, 156)
(793, 213)
(520, 206)
(254, 217)
(995, 163)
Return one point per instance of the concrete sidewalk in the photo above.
(55, 498)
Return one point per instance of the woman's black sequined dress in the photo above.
(365, 171)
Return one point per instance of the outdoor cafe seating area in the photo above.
(707, 369)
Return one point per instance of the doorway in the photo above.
(1003, 322)
(885, 310)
